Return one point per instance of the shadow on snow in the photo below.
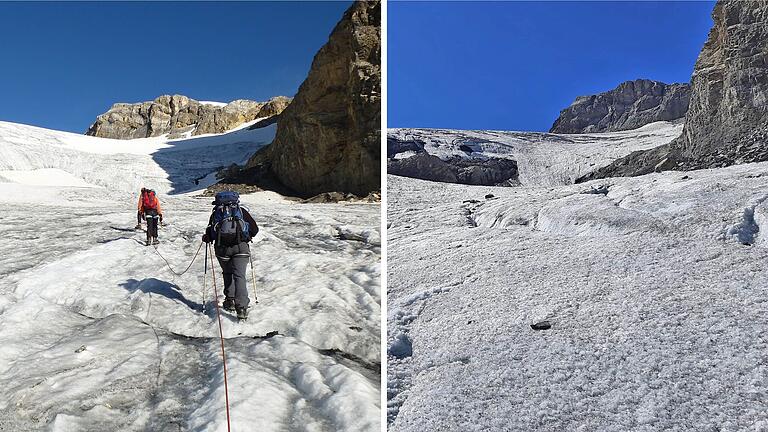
(189, 160)
(160, 287)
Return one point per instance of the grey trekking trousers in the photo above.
(234, 264)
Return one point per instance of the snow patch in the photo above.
(44, 177)
(218, 104)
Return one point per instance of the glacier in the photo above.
(99, 334)
(654, 286)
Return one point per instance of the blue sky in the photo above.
(62, 64)
(515, 65)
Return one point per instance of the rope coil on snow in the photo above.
(221, 336)
(169, 264)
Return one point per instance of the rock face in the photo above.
(408, 158)
(630, 105)
(274, 106)
(729, 105)
(328, 138)
(461, 160)
(486, 172)
(727, 121)
(178, 114)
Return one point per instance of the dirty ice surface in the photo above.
(655, 288)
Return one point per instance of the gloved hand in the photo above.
(206, 239)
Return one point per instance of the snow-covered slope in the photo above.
(655, 288)
(543, 159)
(98, 334)
(126, 165)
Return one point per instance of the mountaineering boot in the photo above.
(137, 227)
(155, 241)
(242, 313)
(229, 304)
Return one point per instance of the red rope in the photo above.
(221, 336)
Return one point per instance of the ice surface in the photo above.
(43, 177)
(655, 288)
(99, 335)
(543, 159)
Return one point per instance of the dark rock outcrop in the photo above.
(179, 114)
(630, 105)
(396, 146)
(636, 163)
(407, 156)
(729, 106)
(727, 121)
(328, 138)
(473, 171)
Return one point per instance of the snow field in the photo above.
(655, 288)
(101, 335)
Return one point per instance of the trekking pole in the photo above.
(205, 275)
(253, 276)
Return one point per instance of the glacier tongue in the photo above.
(543, 159)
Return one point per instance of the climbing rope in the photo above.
(218, 312)
(169, 264)
(221, 336)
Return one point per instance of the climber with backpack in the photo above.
(149, 208)
(230, 228)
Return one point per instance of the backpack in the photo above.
(229, 227)
(148, 200)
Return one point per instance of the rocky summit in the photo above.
(727, 119)
(328, 139)
(177, 114)
(630, 105)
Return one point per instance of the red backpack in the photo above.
(149, 201)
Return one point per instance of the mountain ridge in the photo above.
(629, 105)
(178, 115)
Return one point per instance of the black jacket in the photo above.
(253, 229)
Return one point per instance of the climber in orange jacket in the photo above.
(149, 209)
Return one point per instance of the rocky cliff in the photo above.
(728, 115)
(488, 171)
(630, 105)
(178, 114)
(328, 139)
(407, 157)
(727, 120)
